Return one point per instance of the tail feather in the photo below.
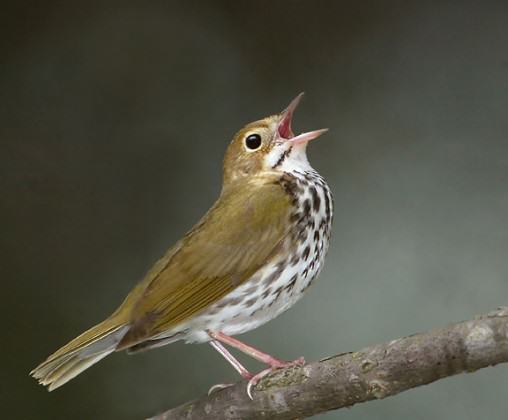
(71, 368)
(79, 354)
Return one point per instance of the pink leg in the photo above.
(231, 359)
(251, 351)
(245, 348)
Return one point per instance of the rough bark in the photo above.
(374, 372)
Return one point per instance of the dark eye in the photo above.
(253, 141)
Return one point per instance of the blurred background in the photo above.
(114, 120)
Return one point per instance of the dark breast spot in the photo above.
(308, 284)
(295, 217)
(306, 253)
(233, 301)
(291, 283)
(277, 294)
(327, 204)
(281, 265)
(290, 185)
(316, 200)
(267, 293)
(306, 207)
(250, 302)
(302, 236)
(274, 276)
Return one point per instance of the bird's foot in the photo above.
(275, 364)
(219, 387)
(219, 337)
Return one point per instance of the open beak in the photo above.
(284, 128)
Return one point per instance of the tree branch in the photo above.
(372, 373)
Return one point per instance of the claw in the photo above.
(279, 365)
(218, 387)
(256, 378)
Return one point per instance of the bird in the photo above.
(251, 257)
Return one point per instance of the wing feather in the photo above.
(239, 234)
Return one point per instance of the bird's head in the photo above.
(268, 145)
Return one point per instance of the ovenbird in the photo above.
(250, 258)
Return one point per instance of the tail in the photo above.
(81, 353)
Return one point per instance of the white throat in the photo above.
(288, 158)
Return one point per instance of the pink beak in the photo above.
(284, 128)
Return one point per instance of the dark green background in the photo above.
(113, 121)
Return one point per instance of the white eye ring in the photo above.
(252, 142)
